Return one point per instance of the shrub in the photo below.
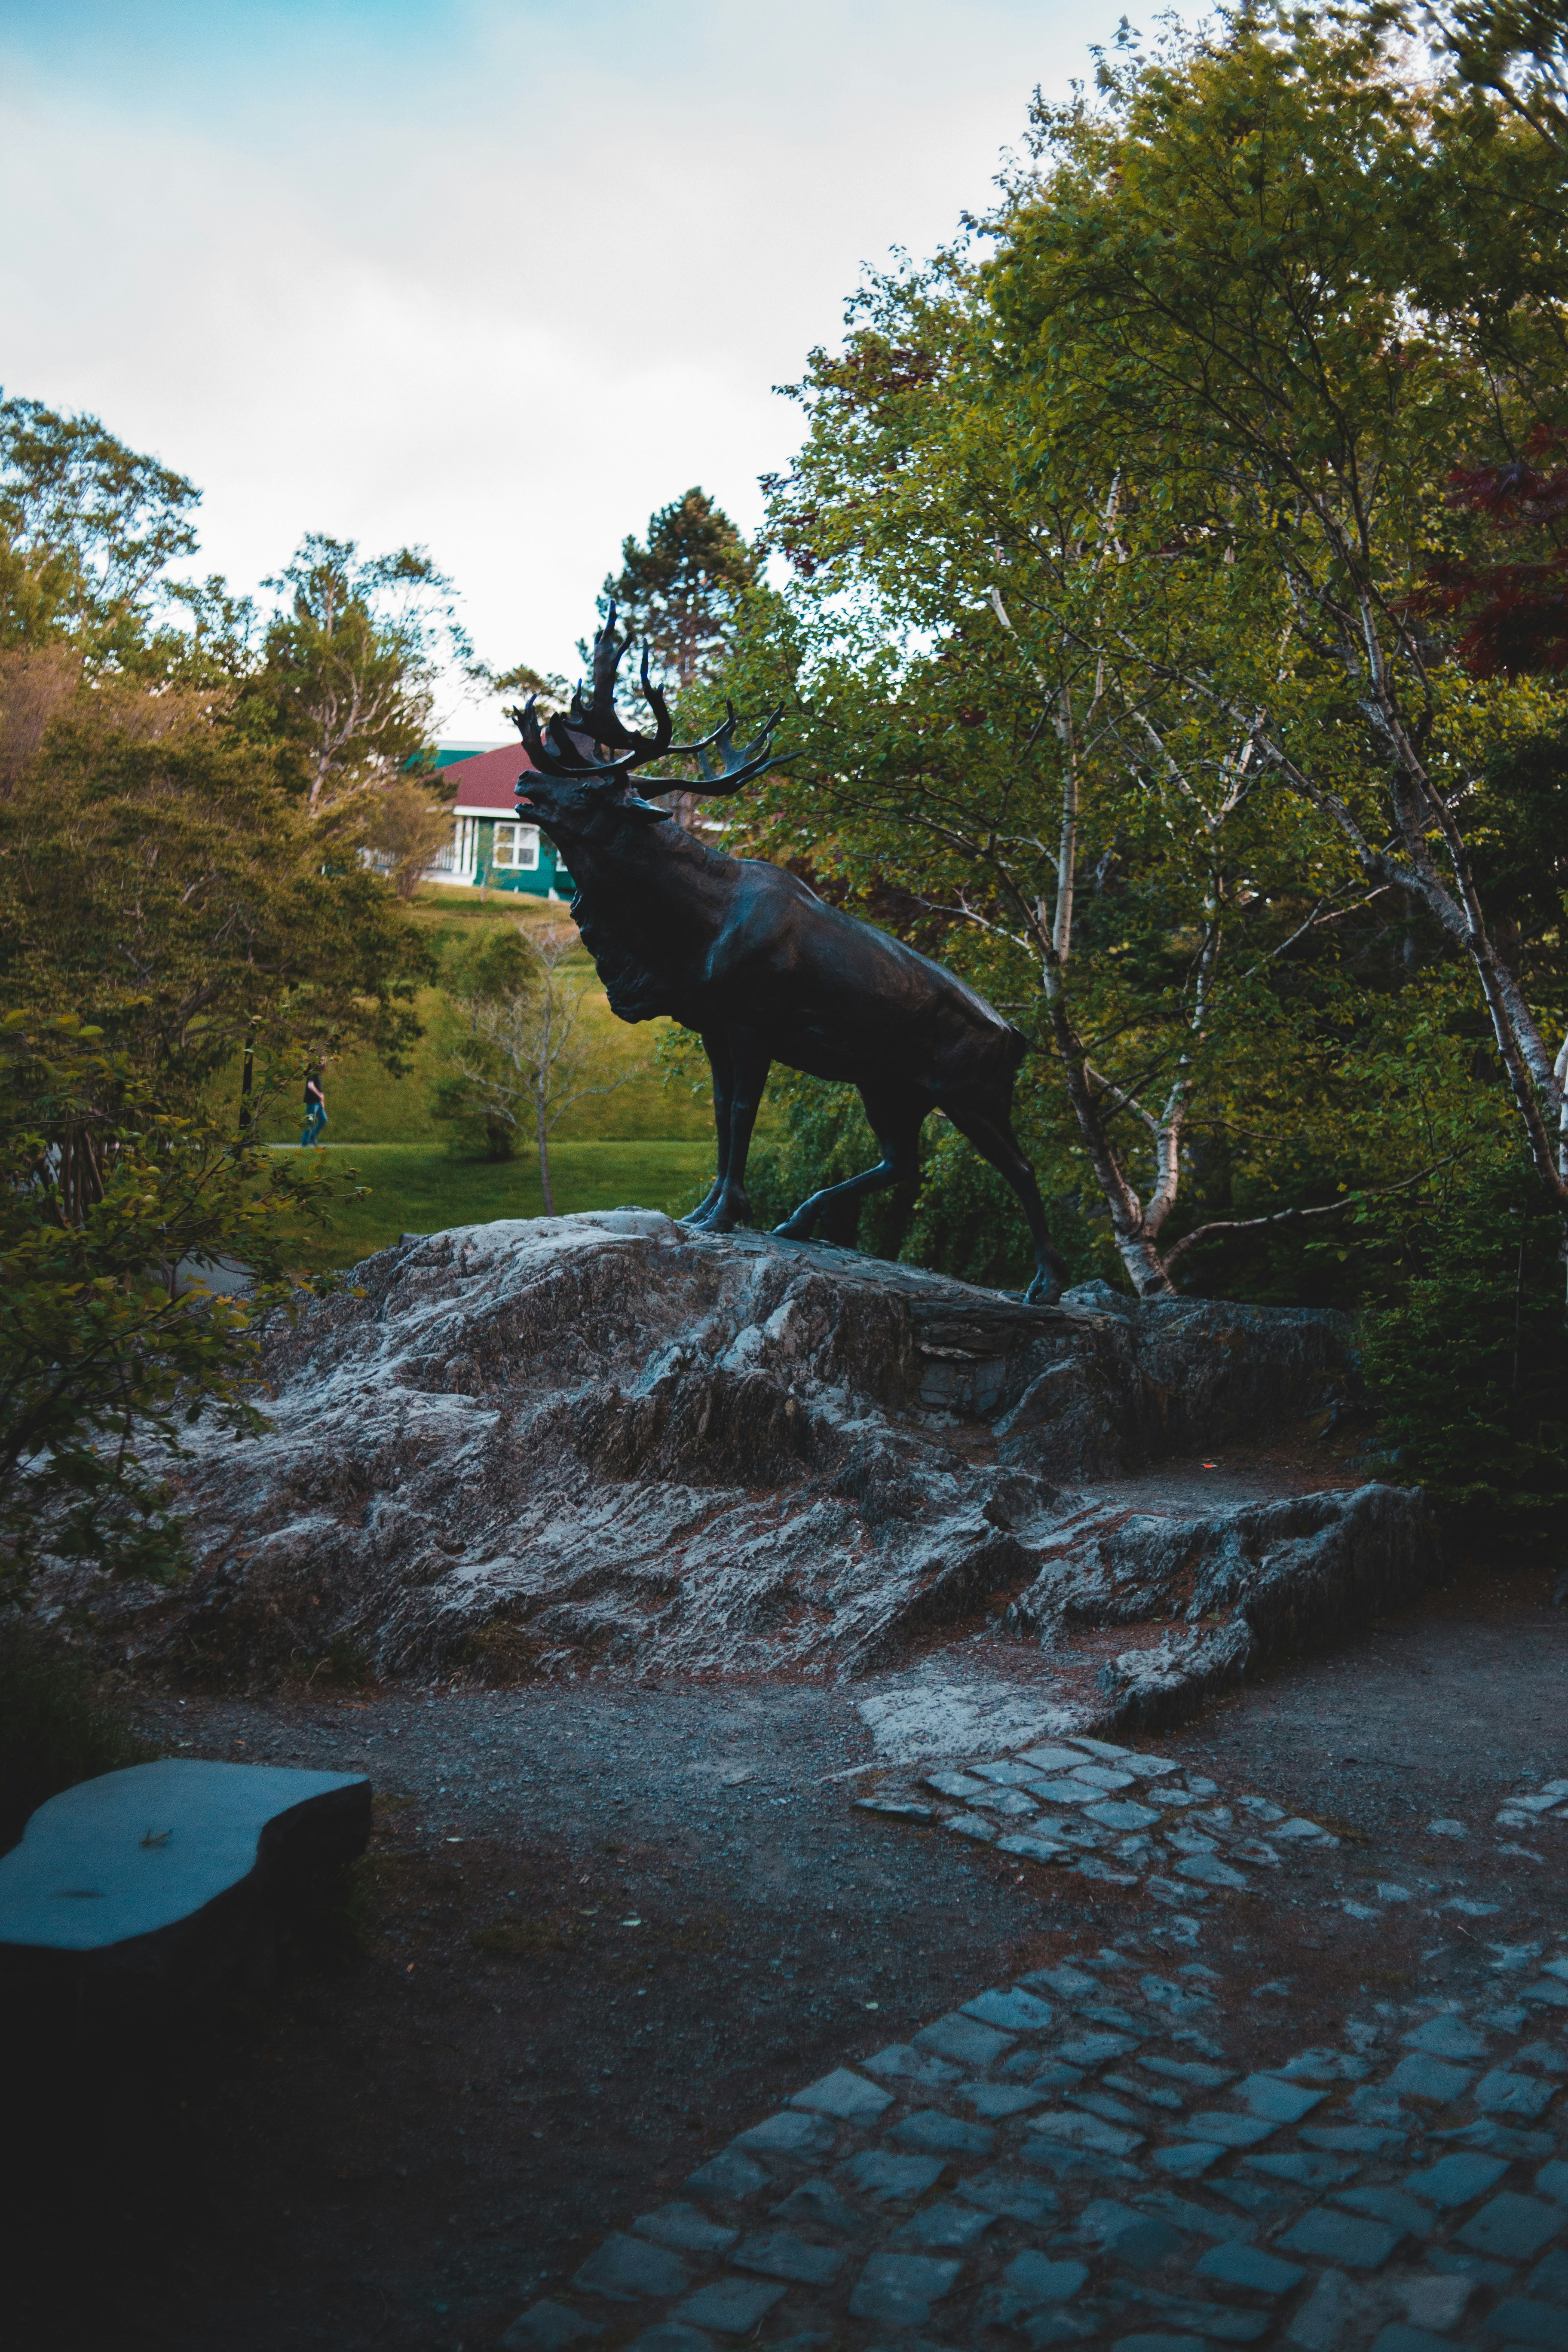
(961, 1218)
(58, 1726)
(1469, 1368)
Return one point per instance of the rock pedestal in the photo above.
(609, 1442)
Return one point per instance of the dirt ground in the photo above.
(601, 1929)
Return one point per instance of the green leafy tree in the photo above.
(350, 665)
(111, 1346)
(216, 647)
(88, 529)
(1124, 890)
(518, 1047)
(525, 681)
(1157, 484)
(495, 970)
(679, 593)
(162, 885)
(1514, 52)
(1282, 289)
(162, 757)
(1468, 1363)
(37, 682)
(405, 830)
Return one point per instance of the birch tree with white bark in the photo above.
(1183, 440)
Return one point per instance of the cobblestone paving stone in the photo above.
(1061, 1804)
(1071, 2159)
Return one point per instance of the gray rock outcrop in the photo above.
(609, 1441)
(1247, 1582)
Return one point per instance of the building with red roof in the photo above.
(490, 847)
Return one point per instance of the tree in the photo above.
(1468, 1359)
(88, 529)
(1094, 851)
(216, 648)
(160, 873)
(35, 683)
(525, 681)
(679, 595)
(1157, 483)
(109, 1345)
(156, 881)
(1290, 291)
(406, 831)
(1117, 882)
(350, 665)
(184, 827)
(1514, 52)
(520, 1048)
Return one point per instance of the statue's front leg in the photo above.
(706, 1206)
(734, 1208)
(749, 1066)
(716, 1049)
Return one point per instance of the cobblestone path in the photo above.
(1101, 2154)
(1126, 1818)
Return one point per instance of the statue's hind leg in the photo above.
(895, 1114)
(990, 1129)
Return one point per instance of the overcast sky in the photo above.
(498, 277)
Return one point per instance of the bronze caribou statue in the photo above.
(745, 954)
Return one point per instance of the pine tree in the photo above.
(679, 593)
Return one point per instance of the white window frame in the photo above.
(516, 849)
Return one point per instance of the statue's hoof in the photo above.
(790, 1232)
(1042, 1294)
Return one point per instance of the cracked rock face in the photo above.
(1246, 1581)
(534, 1447)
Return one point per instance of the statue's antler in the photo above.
(568, 746)
(597, 721)
(737, 763)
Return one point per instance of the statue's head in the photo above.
(584, 759)
(586, 806)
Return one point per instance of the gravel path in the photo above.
(611, 1930)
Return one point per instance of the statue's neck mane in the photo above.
(631, 893)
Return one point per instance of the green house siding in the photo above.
(537, 882)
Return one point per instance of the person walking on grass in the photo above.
(315, 1111)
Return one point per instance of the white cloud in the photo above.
(499, 279)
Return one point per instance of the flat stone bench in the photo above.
(167, 1872)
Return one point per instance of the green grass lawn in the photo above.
(423, 1188)
(366, 1105)
(648, 1142)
